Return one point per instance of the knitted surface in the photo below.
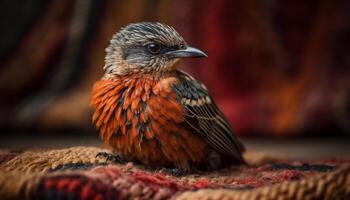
(76, 173)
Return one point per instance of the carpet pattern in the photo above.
(76, 173)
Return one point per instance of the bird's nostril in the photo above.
(182, 46)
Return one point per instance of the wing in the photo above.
(204, 117)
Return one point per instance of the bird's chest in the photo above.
(131, 111)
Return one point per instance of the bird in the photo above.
(150, 112)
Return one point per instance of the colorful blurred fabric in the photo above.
(274, 67)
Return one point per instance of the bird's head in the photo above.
(146, 47)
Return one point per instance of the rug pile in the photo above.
(76, 173)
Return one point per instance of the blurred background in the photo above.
(277, 69)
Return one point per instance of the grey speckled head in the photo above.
(146, 47)
(145, 32)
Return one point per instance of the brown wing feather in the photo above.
(203, 117)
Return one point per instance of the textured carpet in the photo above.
(75, 173)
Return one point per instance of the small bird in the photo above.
(150, 112)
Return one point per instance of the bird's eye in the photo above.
(153, 48)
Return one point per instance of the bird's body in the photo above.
(152, 113)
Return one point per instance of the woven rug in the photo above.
(76, 173)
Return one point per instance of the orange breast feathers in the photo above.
(140, 119)
(123, 105)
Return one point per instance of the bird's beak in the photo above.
(189, 52)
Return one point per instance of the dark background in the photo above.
(276, 68)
